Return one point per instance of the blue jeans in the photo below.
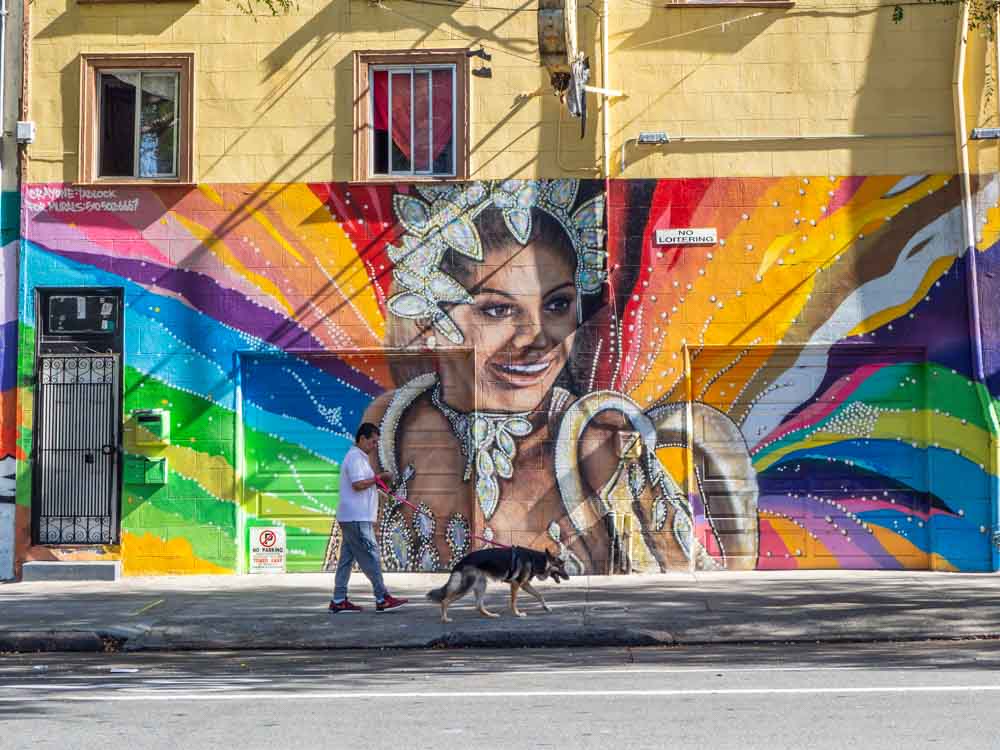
(357, 542)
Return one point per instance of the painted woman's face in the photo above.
(521, 324)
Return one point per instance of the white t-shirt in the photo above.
(355, 505)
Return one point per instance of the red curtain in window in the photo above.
(443, 109)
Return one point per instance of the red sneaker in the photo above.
(390, 602)
(344, 606)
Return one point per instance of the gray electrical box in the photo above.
(81, 313)
(25, 131)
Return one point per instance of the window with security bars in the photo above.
(413, 121)
(411, 115)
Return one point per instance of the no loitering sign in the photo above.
(687, 236)
(267, 549)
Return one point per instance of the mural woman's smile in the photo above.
(521, 327)
(522, 374)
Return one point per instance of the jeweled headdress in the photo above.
(442, 218)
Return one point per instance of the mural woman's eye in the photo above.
(558, 304)
(497, 311)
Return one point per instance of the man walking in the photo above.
(356, 515)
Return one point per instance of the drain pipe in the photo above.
(605, 103)
(3, 90)
(3, 58)
(965, 181)
(972, 275)
(604, 80)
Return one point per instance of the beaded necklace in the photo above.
(487, 441)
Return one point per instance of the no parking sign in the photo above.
(267, 549)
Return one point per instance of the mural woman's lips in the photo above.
(522, 374)
(537, 367)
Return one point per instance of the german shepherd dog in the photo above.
(516, 566)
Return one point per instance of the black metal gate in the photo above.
(77, 446)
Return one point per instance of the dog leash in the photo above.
(490, 541)
(382, 486)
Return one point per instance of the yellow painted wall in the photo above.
(982, 106)
(831, 67)
(274, 94)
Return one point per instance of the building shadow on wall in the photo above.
(875, 90)
(92, 20)
(904, 102)
(292, 60)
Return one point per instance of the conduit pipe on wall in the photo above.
(240, 472)
(772, 138)
(605, 92)
(969, 242)
(605, 104)
(606, 156)
(965, 181)
(559, 161)
(559, 122)
(3, 73)
(606, 172)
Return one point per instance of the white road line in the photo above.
(117, 679)
(660, 670)
(425, 695)
(453, 669)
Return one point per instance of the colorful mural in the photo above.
(9, 223)
(797, 394)
(9, 210)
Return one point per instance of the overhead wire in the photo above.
(709, 5)
(457, 35)
(461, 5)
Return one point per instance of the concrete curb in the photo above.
(575, 637)
(47, 641)
(55, 641)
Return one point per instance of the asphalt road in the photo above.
(908, 696)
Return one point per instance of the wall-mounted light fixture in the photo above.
(653, 138)
(645, 138)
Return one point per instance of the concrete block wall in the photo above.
(269, 253)
(274, 95)
(817, 68)
(822, 343)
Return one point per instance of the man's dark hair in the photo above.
(366, 430)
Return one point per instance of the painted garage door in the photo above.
(299, 415)
(853, 468)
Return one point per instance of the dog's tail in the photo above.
(455, 587)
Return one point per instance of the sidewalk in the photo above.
(289, 612)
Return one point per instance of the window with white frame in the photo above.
(138, 130)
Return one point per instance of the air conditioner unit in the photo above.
(557, 34)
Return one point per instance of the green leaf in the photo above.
(263, 7)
